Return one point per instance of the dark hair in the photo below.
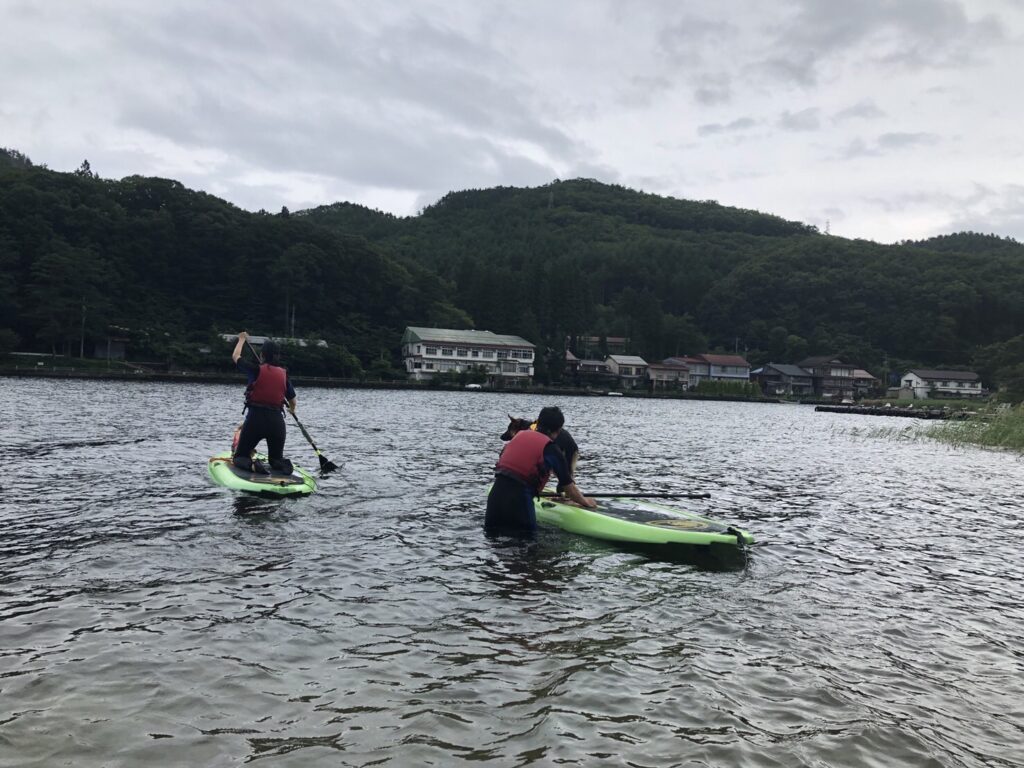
(550, 419)
(269, 352)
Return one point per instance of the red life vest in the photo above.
(523, 459)
(269, 389)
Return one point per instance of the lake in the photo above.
(148, 617)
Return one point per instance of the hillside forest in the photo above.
(166, 269)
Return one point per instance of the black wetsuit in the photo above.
(262, 423)
(510, 502)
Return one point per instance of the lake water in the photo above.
(148, 617)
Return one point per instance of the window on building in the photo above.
(524, 369)
(475, 353)
(503, 354)
(462, 352)
(429, 366)
(417, 365)
(447, 351)
(431, 350)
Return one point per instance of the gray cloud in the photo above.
(866, 109)
(909, 33)
(739, 124)
(804, 120)
(712, 90)
(886, 143)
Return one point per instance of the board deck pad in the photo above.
(274, 478)
(625, 509)
(638, 520)
(224, 472)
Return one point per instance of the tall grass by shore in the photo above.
(1002, 429)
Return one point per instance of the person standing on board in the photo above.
(522, 471)
(268, 391)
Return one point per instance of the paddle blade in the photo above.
(325, 465)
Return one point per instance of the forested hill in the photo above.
(168, 267)
(580, 257)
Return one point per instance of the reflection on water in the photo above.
(150, 618)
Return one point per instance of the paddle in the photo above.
(641, 495)
(325, 465)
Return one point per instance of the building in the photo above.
(782, 379)
(865, 384)
(726, 367)
(832, 377)
(698, 368)
(429, 351)
(630, 370)
(928, 384)
(668, 375)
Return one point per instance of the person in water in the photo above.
(522, 472)
(268, 391)
(563, 440)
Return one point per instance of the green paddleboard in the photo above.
(224, 472)
(638, 521)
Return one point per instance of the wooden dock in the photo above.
(908, 412)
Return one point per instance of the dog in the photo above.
(564, 440)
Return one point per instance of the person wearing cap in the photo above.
(269, 390)
(522, 472)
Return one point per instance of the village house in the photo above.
(832, 377)
(429, 351)
(630, 370)
(666, 375)
(699, 369)
(923, 384)
(783, 379)
(864, 383)
(726, 367)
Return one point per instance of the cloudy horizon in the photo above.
(883, 119)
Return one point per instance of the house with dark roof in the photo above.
(926, 383)
(726, 367)
(699, 369)
(668, 375)
(783, 379)
(631, 370)
(864, 383)
(832, 377)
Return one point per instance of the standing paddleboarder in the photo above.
(522, 471)
(268, 391)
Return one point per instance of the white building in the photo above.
(629, 369)
(925, 383)
(429, 351)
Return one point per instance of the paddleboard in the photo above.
(639, 521)
(224, 472)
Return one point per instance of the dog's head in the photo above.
(514, 426)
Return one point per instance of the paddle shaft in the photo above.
(642, 495)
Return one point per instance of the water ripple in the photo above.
(148, 617)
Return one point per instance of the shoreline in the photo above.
(327, 382)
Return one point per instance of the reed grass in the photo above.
(1001, 429)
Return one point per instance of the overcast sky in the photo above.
(888, 119)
